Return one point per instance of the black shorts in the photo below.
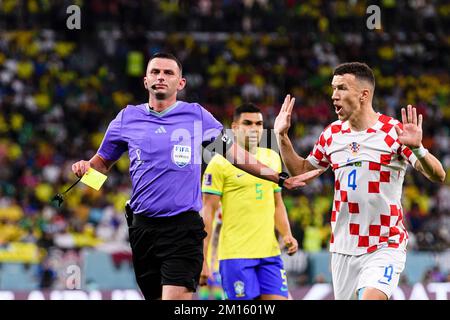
(167, 251)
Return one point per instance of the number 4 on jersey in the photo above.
(352, 179)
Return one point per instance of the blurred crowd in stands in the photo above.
(59, 89)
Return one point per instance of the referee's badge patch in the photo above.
(181, 155)
(207, 179)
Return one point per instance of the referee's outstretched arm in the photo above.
(96, 162)
(245, 161)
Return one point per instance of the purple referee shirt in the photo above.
(165, 154)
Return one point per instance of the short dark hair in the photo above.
(246, 107)
(359, 69)
(166, 55)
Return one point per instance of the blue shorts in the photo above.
(247, 279)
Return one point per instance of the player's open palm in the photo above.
(283, 120)
(302, 179)
(411, 134)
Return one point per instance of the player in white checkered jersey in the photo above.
(368, 153)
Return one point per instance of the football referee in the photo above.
(164, 140)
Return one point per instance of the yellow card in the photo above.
(93, 179)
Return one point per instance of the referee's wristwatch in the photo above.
(282, 176)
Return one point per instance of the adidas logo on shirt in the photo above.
(160, 130)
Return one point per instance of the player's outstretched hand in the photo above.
(302, 180)
(283, 120)
(291, 244)
(81, 167)
(411, 134)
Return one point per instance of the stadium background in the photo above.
(59, 88)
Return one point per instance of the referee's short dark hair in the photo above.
(166, 55)
(359, 69)
(247, 107)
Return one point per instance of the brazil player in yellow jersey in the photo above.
(252, 209)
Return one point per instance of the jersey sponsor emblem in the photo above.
(181, 155)
(351, 162)
(354, 147)
(161, 129)
(240, 175)
(207, 179)
(239, 289)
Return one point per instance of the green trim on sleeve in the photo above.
(277, 190)
(206, 190)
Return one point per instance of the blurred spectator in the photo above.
(47, 275)
(434, 274)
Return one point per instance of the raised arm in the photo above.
(411, 136)
(295, 164)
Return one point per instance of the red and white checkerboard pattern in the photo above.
(369, 167)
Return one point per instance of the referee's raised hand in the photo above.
(302, 179)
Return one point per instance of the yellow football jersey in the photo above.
(248, 207)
